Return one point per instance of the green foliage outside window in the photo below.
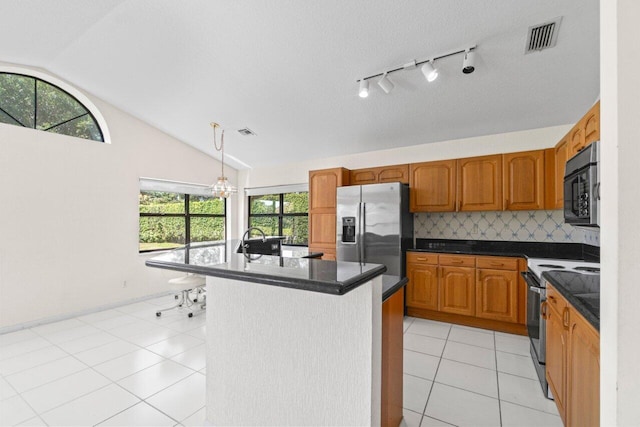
(282, 215)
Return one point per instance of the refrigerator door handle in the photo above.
(363, 221)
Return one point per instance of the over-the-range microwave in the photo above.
(582, 188)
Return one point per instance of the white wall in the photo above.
(620, 134)
(69, 216)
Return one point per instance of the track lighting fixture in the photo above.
(427, 67)
(429, 71)
(468, 66)
(385, 84)
(364, 88)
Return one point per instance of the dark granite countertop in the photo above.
(582, 291)
(507, 248)
(391, 285)
(330, 277)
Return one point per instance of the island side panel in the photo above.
(279, 356)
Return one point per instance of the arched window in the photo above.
(34, 103)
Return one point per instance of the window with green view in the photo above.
(33, 103)
(284, 214)
(169, 220)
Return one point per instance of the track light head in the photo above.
(430, 73)
(468, 66)
(363, 92)
(385, 84)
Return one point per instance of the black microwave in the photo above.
(582, 188)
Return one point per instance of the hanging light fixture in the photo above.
(363, 90)
(221, 188)
(385, 84)
(468, 64)
(429, 71)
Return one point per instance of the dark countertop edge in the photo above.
(391, 285)
(584, 311)
(333, 288)
(472, 252)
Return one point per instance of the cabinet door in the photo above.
(422, 288)
(583, 384)
(480, 183)
(592, 124)
(322, 187)
(561, 157)
(523, 175)
(577, 141)
(497, 295)
(363, 176)
(433, 186)
(397, 173)
(556, 361)
(457, 290)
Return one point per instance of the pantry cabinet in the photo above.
(524, 180)
(482, 291)
(555, 311)
(322, 209)
(432, 186)
(395, 173)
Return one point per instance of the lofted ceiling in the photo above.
(287, 69)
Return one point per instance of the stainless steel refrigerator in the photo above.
(374, 225)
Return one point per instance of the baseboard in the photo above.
(494, 325)
(59, 317)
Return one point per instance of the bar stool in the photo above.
(185, 285)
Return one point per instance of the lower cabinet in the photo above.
(573, 362)
(485, 291)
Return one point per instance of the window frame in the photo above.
(281, 215)
(186, 215)
(83, 101)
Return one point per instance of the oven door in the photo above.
(536, 294)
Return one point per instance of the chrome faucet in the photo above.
(246, 234)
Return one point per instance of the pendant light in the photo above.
(221, 188)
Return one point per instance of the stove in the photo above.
(536, 325)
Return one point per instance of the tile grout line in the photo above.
(435, 374)
(495, 353)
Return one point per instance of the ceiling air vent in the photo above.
(246, 132)
(542, 36)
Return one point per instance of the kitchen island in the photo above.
(290, 341)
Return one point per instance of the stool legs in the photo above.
(186, 301)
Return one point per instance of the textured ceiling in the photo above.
(288, 69)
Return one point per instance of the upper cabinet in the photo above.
(586, 131)
(322, 209)
(480, 183)
(395, 173)
(524, 180)
(432, 186)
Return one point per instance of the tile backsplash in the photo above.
(529, 226)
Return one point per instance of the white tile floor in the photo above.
(126, 367)
(456, 375)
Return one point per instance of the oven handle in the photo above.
(535, 289)
(530, 279)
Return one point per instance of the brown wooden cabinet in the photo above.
(524, 180)
(395, 173)
(457, 284)
(592, 124)
(560, 160)
(556, 311)
(432, 186)
(422, 288)
(480, 183)
(497, 289)
(573, 362)
(322, 209)
(484, 291)
(583, 382)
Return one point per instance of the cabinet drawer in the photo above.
(497, 263)
(422, 257)
(458, 260)
(555, 300)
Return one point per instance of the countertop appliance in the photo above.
(582, 188)
(374, 225)
(536, 295)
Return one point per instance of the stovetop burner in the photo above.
(551, 266)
